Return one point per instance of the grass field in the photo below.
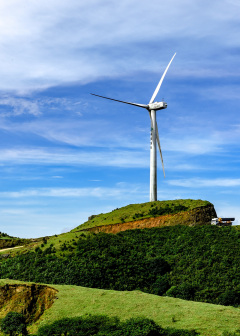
(208, 319)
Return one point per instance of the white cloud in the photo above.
(19, 106)
(116, 158)
(205, 183)
(50, 42)
(116, 192)
(194, 145)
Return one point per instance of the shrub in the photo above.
(14, 324)
(100, 325)
(160, 286)
(184, 291)
(229, 298)
(139, 326)
(229, 333)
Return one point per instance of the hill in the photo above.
(134, 216)
(177, 255)
(207, 319)
(198, 263)
(7, 241)
(143, 215)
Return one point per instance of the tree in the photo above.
(14, 324)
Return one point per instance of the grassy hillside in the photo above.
(133, 212)
(7, 241)
(198, 263)
(208, 319)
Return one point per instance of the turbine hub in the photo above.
(157, 106)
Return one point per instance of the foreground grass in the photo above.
(208, 319)
(134, 212)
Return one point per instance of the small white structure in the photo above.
(222, 221)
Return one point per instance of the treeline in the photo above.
(155, 211)
(192, 263)
(98, 325)
(7, 243)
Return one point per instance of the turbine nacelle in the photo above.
(157, 106)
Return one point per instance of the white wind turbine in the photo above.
(152, 107)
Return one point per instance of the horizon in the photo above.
(66, 155)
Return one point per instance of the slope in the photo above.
(208, 319)
(136, 212)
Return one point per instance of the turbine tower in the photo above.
(152, 107)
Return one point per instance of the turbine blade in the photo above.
(159, 147)
(161, 80)
(121, 101)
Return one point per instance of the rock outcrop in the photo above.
(197, 216)
(30, 300)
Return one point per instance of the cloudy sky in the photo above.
(65, 155)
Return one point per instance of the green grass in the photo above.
(56, 241)
(208, 319)
(128, 213)
(134, 212)
(124, 214)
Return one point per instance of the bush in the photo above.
(139, 327)
(184, 291)
(229, 298)
(229, 333)
(99, 325)
(81, 326)
(160, 286)
(14, 324)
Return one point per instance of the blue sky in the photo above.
(65, 155)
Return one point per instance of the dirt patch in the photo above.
(10, 248)
(30, 300)
(198, 216)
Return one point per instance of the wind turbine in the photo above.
(152, 107)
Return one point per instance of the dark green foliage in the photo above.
(7, 241)
(183, 291)
(160, 286)
(98, 325)
(81, 326)
(160, 211)
(138, 327)
(192, 263)
(229, 298)
(229, 333)
(179, 332)
(14, 324)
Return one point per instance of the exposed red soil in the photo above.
(198, 216)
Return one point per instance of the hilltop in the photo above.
(133, 216)
(143, 215)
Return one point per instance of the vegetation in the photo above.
(192, 263)
(100, 325)
(5, 236)
(75, 301)
(7, 241)
(14, 324)
(134, 212)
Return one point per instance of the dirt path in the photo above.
(10, 248)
